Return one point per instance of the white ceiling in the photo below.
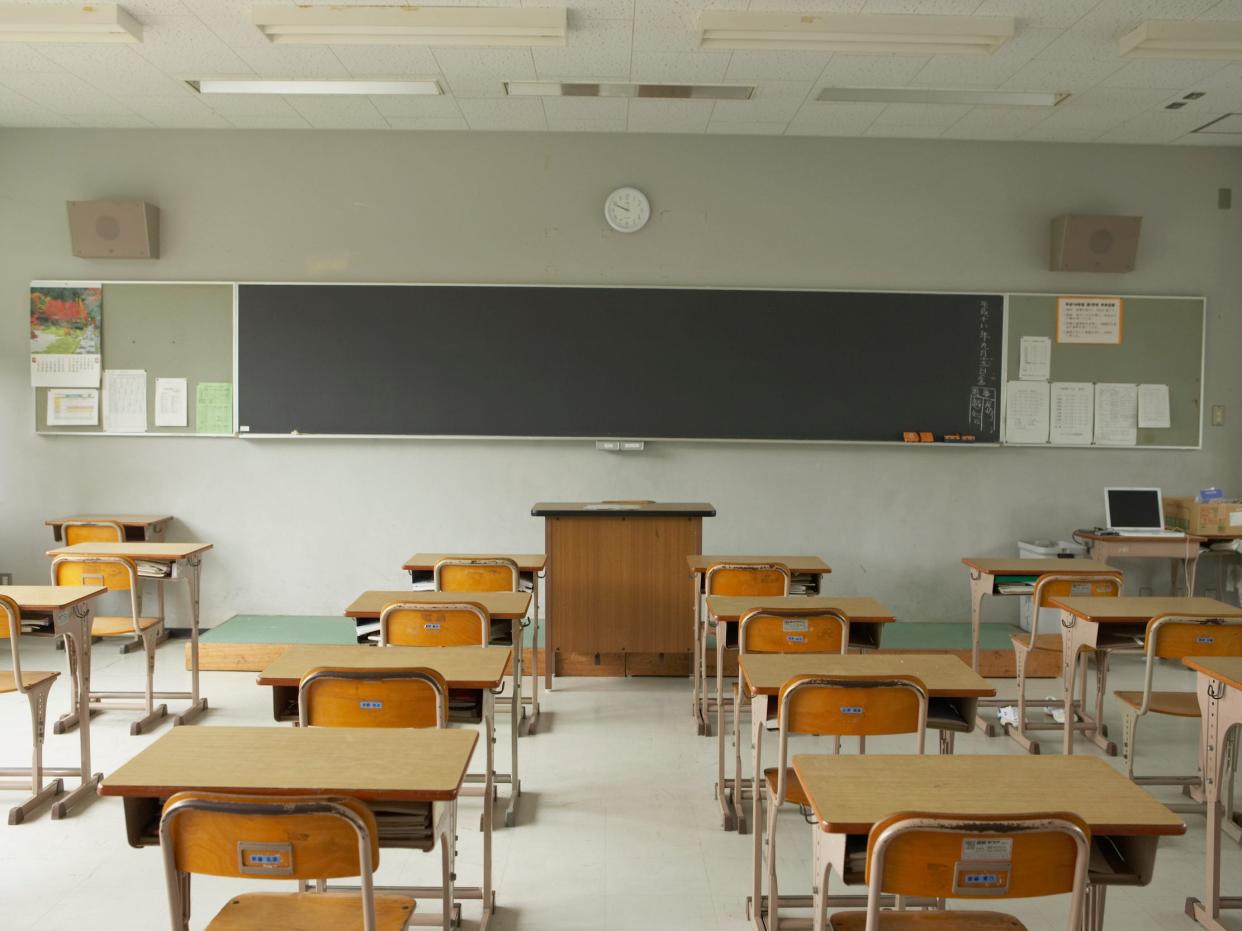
(1060, 45)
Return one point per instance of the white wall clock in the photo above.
(627, 210)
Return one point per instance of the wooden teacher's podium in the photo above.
(619, 598)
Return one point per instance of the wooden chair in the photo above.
(1026, 643)
(1173, 637)
(285, 838)
(990, 857)
(341, 697)
(92, 531)
(430, 624)
(35, 686)
(117, 574)
(838, 706)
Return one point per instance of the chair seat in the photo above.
(794, 793)
(901, 921)
(30, 678)
(309, 911)
(1050, 643)
(1181, 704)
(119, 626)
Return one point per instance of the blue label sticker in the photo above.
(1207, 639)
(796, 638)
(431, 627)
(851, 709)
(980, 879)
(371, 705)
(271, 858)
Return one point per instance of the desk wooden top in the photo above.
(945, 676)
(851, 793)
(462, 667)
(375, 763)
(729, 608)
(50, 597)
(125, 520)
(805, 565)
(1139, 538)
(500, 605)
(1142, 609)
(620, 509)
(134, 549)
(1226, 669)
(425, 562)
(988, 565)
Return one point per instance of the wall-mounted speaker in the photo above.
(114, 229)
(1094, 243)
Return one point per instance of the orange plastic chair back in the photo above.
(93, 532)
(338, 697)
(116, 573)
(1176, 638)
(762, 579)
(1105, 585)
(412, 624)
(476, 575)
(772, 631)
(839, 707)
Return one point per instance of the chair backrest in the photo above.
(793, 630)
(1176, 636)
(92, 531)
(116, 573)
(476, 575)
(429, 624)
(265, 837)
(11, 630)
(1048, 587)
(340, 697)
(946, 856)
(770, 578)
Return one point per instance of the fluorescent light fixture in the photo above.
(482, 27)
(934, 95)
(92, 22)
(653, 91)
(1166, 38)
(875, 34)
(365, 88)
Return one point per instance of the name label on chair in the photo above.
(370, 705)
(1207, 639)
(1080, 589)
(795, 624)
(980, 878)
(987, 848)
(262, 859)
(431, 627)
(796, 638)
(851, 709)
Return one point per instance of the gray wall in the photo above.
(303, 526)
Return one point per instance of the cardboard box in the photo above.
(1222, 517)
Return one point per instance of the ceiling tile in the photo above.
(429, 122)
(689, 116)
(114, 69)
(587, 125)
(17, 57)
(1156, 128)
(921, 114)
(818, 118)
(1045, 132)
(1042, 75)
(746, 129)
(292, 61)
(937, 7)
(338, 112)
(183, 46)
(269, 122)
(986, 70)
(513, 113)
(871, 70)
(249, 105)
(598, 48)
(585, 108)
(1224, 11)
(807, 6)
(1060, 14)
(773, 102)
(679, 68)
(386, 60)
(748, 65)
(481, 72)
(1160, 72)
(905, 131)
(413, 105)
(996, 122)
(673, 25)
(183, 111)
(602, 9)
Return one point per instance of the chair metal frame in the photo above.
(1020, 733)
(770, 904)
(178, 882)
(149, 638)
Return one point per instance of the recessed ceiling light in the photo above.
(365, 88)
(654, 91)
(1159, 38)
(935, 95)
(875, 34)
(95, 22)
(480, 27)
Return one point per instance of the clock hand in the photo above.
(622, 207)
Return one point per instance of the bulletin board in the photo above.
(168, 330)
(1161, 343)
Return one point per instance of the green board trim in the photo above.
(283, 628)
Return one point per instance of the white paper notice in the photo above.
(1073, 413)
(170, 402)
(1089, 319)
(1036, 358)
(125, 401)
(49, 370)
(67, 407)
(1026, 412)
(1116, 415)
(1153, 406)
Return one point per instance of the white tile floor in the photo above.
(619, 829)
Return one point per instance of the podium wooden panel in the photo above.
(618, 594)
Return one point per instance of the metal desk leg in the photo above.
(193, 576)
(75, 624)
(489, 736)
(727, 821)
(980, 585)
(758, 714)
(515, 720)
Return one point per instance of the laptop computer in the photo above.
(1136, 512)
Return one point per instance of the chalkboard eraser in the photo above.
(926, 437)
(911, 436)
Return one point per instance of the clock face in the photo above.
(627, 210)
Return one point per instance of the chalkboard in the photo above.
(512, 361)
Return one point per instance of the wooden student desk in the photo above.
(850, 794)
(375, 765)
(617, 584)
(185, 562)
(1181, 551)
(866, 615)
(953, 690)
(505, 606)
(72, 610)
(148, 527)
(1098, 623)
(807, 577)
(1219, 687)
(421, 567)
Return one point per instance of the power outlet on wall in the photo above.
(6, 578)
(1218, 415)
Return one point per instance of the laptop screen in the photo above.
(1134, 507)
